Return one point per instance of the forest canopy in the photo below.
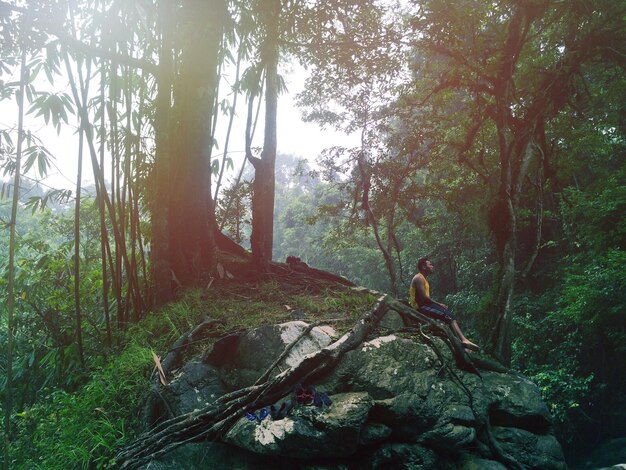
(492, 139)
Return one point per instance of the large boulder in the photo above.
(473, 462)
(201, 455)
(531, 450)
(411, 391)
(403, 455)
(443, 408)
(244, 358)
(396, 403)
(515, 402)
(309, 431)
(194, 386)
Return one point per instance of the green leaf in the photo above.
(7, 138)
(31, 359)
(42, 163)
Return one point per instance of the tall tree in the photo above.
(161, 274)
(264, 180)
(191, 215)
(358, 57)
(509, 68)
(12, 234)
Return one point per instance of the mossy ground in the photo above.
(86, 428)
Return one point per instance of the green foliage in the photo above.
(233, 212)
(575, 301)
(159, 330)
(584, 325)
(597, 214)
(563, 390)
(85, 428)
(52, 106)
(554, 364)
(595, 289)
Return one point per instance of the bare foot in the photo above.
(471, 346)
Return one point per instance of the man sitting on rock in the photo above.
(419, 295)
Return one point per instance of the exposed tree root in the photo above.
(216, 419)
(174, 356)
(156, 406)
(461, 357)
(496, 449)
(464, 362)
(289, 347)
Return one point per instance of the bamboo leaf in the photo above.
(42, 163)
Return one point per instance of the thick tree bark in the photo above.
(516, 155)
(264, 180)
(512, 145)
(191, 217)
(538, 215)
(161, 274)
(502, 222)
(500, 343)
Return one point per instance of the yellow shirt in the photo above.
(413, 290)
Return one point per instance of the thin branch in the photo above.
(469, 142)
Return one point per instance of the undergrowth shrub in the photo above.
(83, 429)
(86, 428)
(583, 331)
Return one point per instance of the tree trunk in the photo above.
(517, 155)
(104, 239)
(161, 271)
(8, 404)
(264, 179)
(191, 218)
(79, 175)
(386, 251)
(191, 214)
(502, 331)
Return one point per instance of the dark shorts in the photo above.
(437, 312)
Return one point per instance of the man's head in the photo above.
(425, 266)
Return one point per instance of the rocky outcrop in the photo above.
(308, 432)
(395, 404)
(195, 386)
(241, 359)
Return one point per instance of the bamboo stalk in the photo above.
(8, 403)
